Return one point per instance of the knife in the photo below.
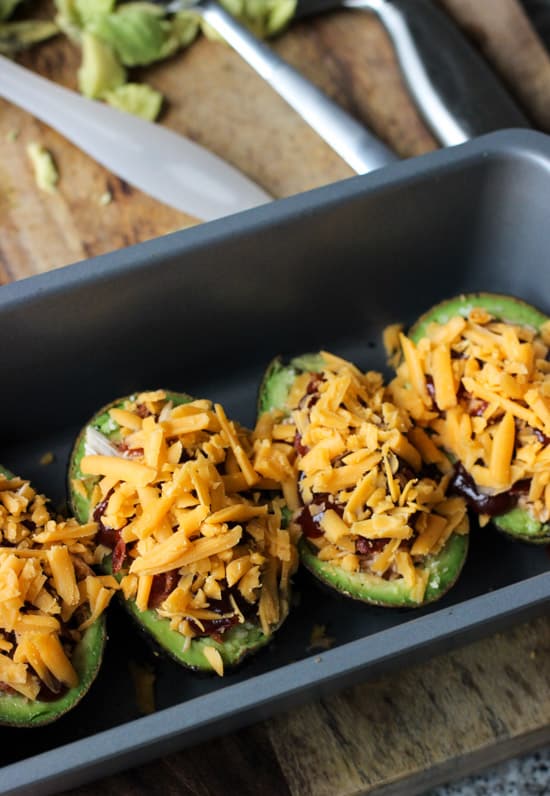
(149, 156)
(362, 150)
(457, 93)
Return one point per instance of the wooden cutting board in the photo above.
(409, 731)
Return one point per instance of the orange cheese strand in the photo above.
(363, 451)
(491, 403)
(190, 499)
(42, 599)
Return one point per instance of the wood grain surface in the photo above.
(434, 722)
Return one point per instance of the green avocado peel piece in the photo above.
(517, 523)
(18, 711)
(238, 641)
(444, 568)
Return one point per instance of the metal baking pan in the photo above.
(203, 311)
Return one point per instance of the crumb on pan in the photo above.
(319, 640)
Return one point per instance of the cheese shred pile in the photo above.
(479, 388)
(48, 594)
(368, 502)
(195, 529)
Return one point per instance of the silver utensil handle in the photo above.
(443, 124)
(359, 148)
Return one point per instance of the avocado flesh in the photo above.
(18, 711)
(279, 378)
(444, 568)
(518, 522)
(238, 641)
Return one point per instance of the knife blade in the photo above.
(151, 157)
(456, 91)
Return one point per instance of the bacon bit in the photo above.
(123, 448)
(477, 408)
(142, 411)
(101, 507)
(366, 547)
(109, 537)
(300, 449)
(163, 585)
(312, 391)
(119, 554)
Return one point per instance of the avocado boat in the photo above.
(376, 522)
(51, 636)
(475, 374)
(194, 533)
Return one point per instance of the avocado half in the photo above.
(444, 568)
(18, 711)
(238, 642)
(517, 523)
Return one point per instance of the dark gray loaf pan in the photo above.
(203, 311)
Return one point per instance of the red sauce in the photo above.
(463, 484)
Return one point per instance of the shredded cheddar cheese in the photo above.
(196, 531)
(45, 601)
(365, 494)
(489, 406)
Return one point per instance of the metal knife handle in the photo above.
(442, 70)
(359, 148)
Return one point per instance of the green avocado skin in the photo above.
(18, 711)
(444, 568)
(517, 523)
(238, 642)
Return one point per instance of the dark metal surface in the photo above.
(203, 311)
(538, 12)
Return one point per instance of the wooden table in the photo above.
(459, 712)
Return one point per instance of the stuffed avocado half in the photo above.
(377, 523)
(52, 627)
(474, 373)
(188, 524)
